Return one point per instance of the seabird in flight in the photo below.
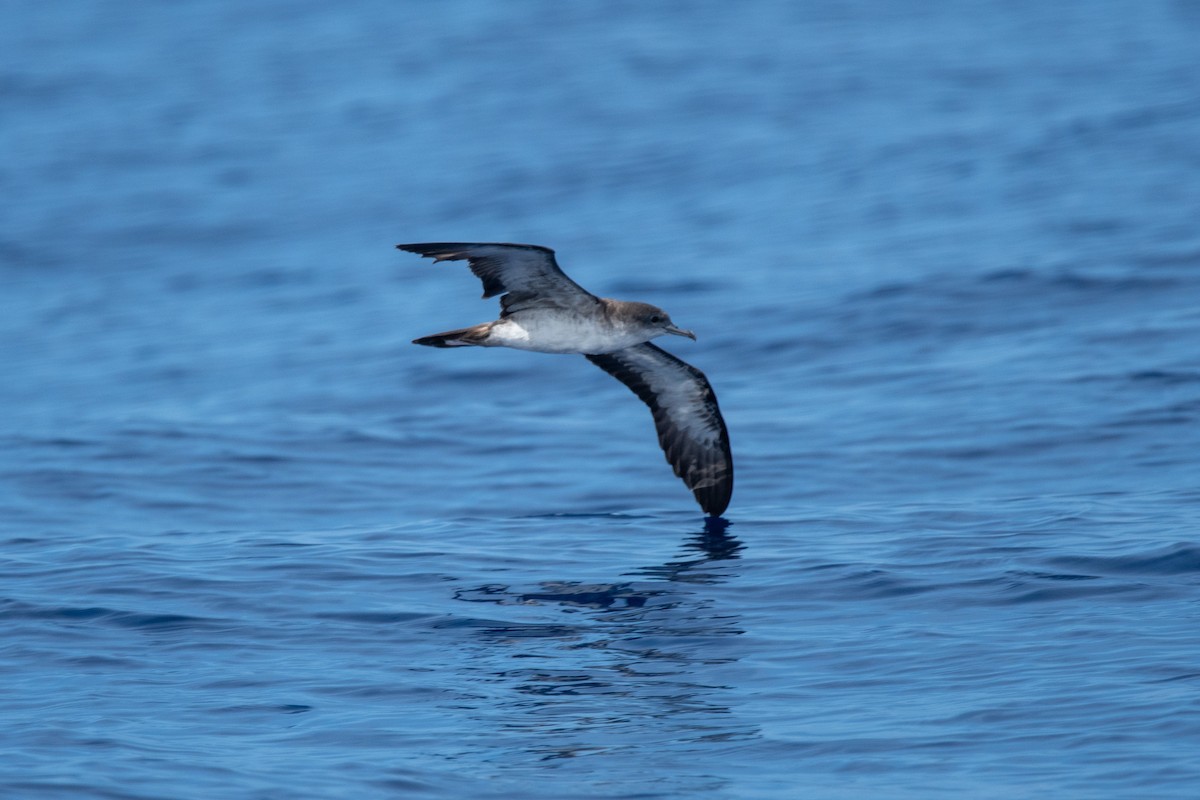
(541, 309)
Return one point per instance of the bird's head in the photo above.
(657, 322)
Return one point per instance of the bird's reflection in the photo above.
(591, 667)
(711, 545)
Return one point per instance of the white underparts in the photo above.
(560, 333)
(507, 333)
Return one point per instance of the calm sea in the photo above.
(943, 261)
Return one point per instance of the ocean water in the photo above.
(943, 261)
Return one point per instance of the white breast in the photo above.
(560, 333)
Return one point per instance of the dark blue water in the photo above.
(944, 264)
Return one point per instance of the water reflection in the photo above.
(635, 668)
(714, 544)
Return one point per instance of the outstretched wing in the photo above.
(690, 427)
(525, 274)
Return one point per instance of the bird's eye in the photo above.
(656, 319)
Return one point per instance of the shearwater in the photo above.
(541, 309)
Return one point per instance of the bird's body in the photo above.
(545, 311)
(550, 330)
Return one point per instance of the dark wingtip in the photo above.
(429, 248)
(714, 500)
(420, 248)
(714, 510)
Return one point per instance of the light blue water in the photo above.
(944, 265)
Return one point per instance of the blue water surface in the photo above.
(944, 265)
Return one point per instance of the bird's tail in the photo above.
(463, 337)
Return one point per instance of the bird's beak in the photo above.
(680, 332)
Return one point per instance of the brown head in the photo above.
(652, 320)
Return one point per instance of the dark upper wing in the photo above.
(690, 427)
(526, 274)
